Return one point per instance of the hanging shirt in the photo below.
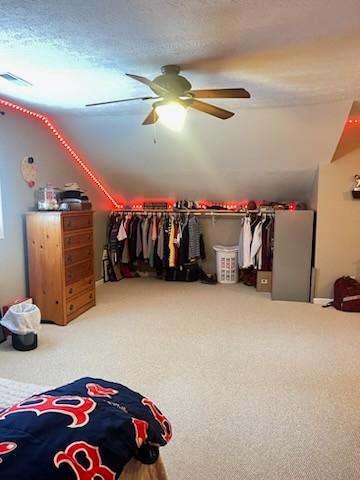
(145, 228)
(139, 239)
(194, 238)
(122, 232)
(184, 243)
(125, 257)
(151, 241)
(160, 244)
(247, 238)
(154, 229)
(241, 244)
(256, 244)
(171, 244)
(132, 238)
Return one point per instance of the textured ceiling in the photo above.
(298, 58)
(283, 51)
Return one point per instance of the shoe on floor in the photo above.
(207, 278)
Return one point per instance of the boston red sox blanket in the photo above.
(86, 430)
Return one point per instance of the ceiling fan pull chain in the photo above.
(154, 139)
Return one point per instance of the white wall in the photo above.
(260, 153)
(19, 137)
(338, 224)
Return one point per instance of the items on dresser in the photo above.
(71, 197)
(47, 198)
(61, 263)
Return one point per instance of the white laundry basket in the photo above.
(227, 270)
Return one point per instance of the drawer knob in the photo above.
(91, 295)
(68, 224)
(69, 275)
(70, 291)
(68, 258)
(71, 306)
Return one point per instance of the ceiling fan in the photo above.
(172, 88)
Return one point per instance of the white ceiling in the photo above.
(285, 52)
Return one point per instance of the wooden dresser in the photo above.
(61, 263)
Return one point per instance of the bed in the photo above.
(13, 392)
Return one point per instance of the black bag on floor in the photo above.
(188, 272)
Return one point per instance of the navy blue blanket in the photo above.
(86, 430)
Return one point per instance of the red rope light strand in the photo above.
(65, 145)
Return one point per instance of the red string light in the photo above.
(53, 130)
(65, 144)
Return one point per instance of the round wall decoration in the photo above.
(29, 171)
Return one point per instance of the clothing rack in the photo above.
(200, 213)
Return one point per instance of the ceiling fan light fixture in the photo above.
(171, 114)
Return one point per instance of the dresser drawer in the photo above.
(78, 254)
(74, 289)
(77, 222)
(78, 302)
(78, 239)
(78, 272)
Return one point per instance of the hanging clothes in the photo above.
(241, 244)
(247, 239)
(164, 241)
(139, 245)
(194, 238)
(144, 233)
(184, 244)
(267, 244)
(123, 231)
(256, 246)
(133, 238)
(171, 244)
(160, 244)
(122, 235)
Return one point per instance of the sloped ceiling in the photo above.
(350, 137)
(298, 58)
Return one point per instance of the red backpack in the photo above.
(346, 295)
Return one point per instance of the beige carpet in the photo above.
(255, 389)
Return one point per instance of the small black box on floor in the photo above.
(23, 343)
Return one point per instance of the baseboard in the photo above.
(99, 282)
(322, 301)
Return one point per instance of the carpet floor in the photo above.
(255, 389)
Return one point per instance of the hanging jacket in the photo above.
(194, 238)
(139, 239)
(247, 239)
(145, 229)
(255, 251)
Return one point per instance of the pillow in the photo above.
(88, 429)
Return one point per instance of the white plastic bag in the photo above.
(22, 318)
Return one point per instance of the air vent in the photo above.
(14, 79)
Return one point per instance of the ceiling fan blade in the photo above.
(161, 91)
(221, 93)
(151, 118)
(211, 109)
(120, 101)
